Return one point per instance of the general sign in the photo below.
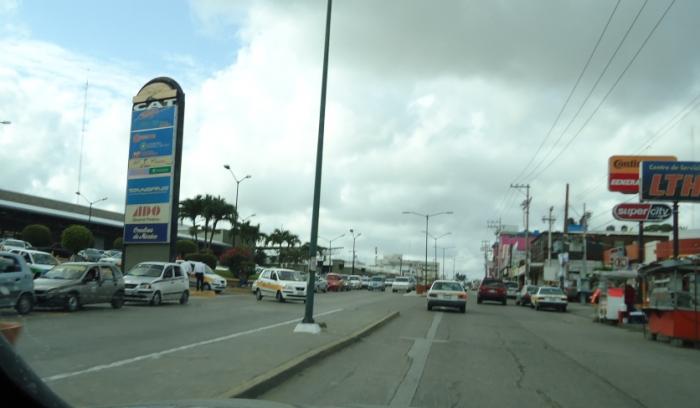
(670, 181)
(623, 172)
(643, 212)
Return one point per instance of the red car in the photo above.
(335, 282)
(493, 290)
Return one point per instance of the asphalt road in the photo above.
(498, 356)
(99, 356)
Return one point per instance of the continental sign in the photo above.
(623, 172)
(644, 212)
(670, 181)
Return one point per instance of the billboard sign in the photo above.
(623, 172)
(155, 141)
(642, 212)
(670, 181)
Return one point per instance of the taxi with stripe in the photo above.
(282, 284)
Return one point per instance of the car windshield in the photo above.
(147, 270)
(401, 280)
(44, 259)
(13, 243)
(66, 272)
(550, 291)
(377, 280)
(448, 286)
(333, 277)
(493, 284)
(511, 285)
(290, 276)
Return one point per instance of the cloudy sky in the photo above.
(432, 106)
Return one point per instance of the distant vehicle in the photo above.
(376, 283)
(156, 282)
(355, 281)
(39, 262)
(523, 298)
(346, 282)
(282, 284)
(511, 289)
(73, 284)
(90, 254)
(412, 283)
(388, 282)
(11, 243)
(113, 258)
(447, 293)
(549, 298)
(335, 282)
(401, 284)
(321, 284)
(16, 283)
(365, 282)
(492, 290)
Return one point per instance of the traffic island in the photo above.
(203, 293)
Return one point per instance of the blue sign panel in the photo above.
(154, 118)
(151, 190)
(136, 233)
(151, 143)
(670, 181)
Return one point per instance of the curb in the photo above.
(266, 381)
(205, 294)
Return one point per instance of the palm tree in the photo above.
(277, 237)
(249, 234)
(219, 210)
(191, 209)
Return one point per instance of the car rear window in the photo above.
(448, 286)
(550, 291)
(493, 284)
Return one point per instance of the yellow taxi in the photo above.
(282, 284)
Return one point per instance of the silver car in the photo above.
(321, 284)
(73, 284)
(16, 283)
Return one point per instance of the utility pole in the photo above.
(566, 234)
(584, 267)
(375, 257)
(550, 220)
(496, 225)
(526, 207)
(354, 237)
(485, 248)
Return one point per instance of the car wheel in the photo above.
(478, 300)
(25, 304)
(72, 302)
(279, 297)
(537, 308)
(430, 307)
(156, 299)
(207, 286)
(517, 303)
(258, 294)
(563, 309)
(185, 297)
(463, 309)
(504, 302)
(117, 300)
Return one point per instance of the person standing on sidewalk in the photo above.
(199, 275)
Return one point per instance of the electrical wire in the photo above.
(605, 97)
(573, 90)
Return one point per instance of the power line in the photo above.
(573, 90)
(617, 81)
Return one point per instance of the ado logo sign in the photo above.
(146, 211)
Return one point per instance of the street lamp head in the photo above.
(351, 231)
(227, 167)
(77, 193)
(247, 176)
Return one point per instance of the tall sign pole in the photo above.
(309, 310)
(153, 175)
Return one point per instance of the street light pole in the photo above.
(90, 204)
(354, 237)
(330, 251)
(427, 217)
(309, 309)
(238, 183)
(435, 253)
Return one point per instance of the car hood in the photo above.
(41, 266)
(48, 284)
(139, 279)
(215, 276)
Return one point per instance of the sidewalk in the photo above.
(215, 367)
(588, 310)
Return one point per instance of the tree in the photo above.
(217, 209)
(191, 209)
(277, 237)
(38, 235)
(118, 243)
(248, 234)
(185, 246)
(76, 238)
(260, 257)
(239, 260)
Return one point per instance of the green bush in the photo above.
(38, 235)
(202, 257)
(118, 243)
(76, 238)
(185, 246)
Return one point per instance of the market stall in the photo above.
(613, 295)
(671, 299)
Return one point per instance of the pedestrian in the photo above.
(199, 275)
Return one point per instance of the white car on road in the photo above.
(156, 282)
(401, 284)
(282, 284)
(447, 293)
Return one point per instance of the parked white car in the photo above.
(11, 243)
(39, 262)
(282, 284)
(401, 284)
(156, 282)
(355, 281)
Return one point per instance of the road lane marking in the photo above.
(159, 354)
(419, 356)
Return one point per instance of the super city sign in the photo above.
(670, 181)
(644, 212)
